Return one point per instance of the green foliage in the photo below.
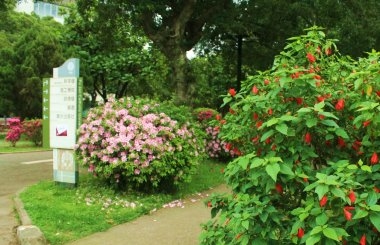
(211, 80)
(131, 143)
(308, 130)
(115, 58)
(31, 48)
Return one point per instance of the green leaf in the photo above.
(272, 170)
(313, 240)
(328, 115)
(272, 121)
(371, 198)
(319, 106)
(330, 233)
(282, 128)
(245, 224)
(357, 83)
(267, 135)
(257, 162)
(321, 190)
(360, 214)
(339, 193)
(287, 118)
(316, 230)
(304, 110)
(330, 123)
(342, 133)
(286, 169)
(321, 219)
(311, 122)
(375, 208)
(375, 219)
(243, 162)
(366, 168)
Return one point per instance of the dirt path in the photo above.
(167, 226)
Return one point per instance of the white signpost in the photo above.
(64, 115)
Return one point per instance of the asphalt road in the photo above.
(16, 172)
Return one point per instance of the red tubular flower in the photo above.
(231, 111)
(320, 98)
(232, 92)
(228, 146)
(374, 158)
(310, 57)
(317, 77)
(267, 141)
(356, 145)
(341, 142)
(323, 201)
(339, 105)
(270, 111)
(258, 124)
(377, 190)
(328, 51)
(307, 138)
(279, 188)
(378, 93)
(362, 240)
(300, 233)
(347, 214)
(266, 81)
(352, 196)
(218, 117)
(255, 116)
(299, 101)
(255, 90)
(366, 123)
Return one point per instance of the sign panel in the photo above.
(45, 112)
(63, 112)
(64, 166)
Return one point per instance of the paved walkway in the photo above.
(167, 226)
(13, 177)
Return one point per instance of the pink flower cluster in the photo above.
(125, 138)
(14, 131)
(215, 147)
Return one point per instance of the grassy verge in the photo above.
(65, 214)
(21, 146)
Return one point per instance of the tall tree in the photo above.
(115, 58)
(173, 26)
(29, 51)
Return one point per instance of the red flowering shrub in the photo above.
(309, 139)
(33, 130)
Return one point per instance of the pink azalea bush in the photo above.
(14, 130)
(130, 143)
(215, 147)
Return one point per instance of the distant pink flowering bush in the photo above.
(33, 130)
(14, 130)
(215, 147)
(131, 144)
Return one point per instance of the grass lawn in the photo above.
(21, 146)
(66, 214)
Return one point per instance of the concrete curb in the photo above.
(27, 233)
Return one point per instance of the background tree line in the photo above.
(139, 47)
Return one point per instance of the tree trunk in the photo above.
(179, 66)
